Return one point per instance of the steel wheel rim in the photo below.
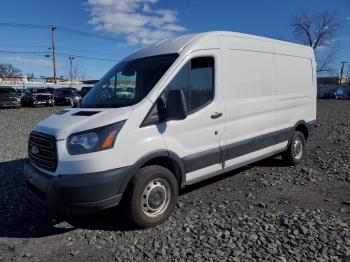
(298, 148)
(155, 198)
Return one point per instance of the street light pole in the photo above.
(71, 68)
(341, 71)
(53, 28)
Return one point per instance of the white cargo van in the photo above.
(171, 114)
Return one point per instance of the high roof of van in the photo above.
(206, 40)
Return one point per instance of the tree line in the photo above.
(9, 70)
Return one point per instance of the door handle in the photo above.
(216, 115)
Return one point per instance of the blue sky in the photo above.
(134, 23)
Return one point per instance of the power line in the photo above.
(24, 25)
(58, 47)
(61, 28)
(89, 57)
(58, 53)
(24, 52)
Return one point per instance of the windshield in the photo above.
(128, 82)
(7, 90)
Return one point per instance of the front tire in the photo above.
(295, 153)
(151, 196)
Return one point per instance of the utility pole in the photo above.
(53, 28)
(341, 71)
(71, 68)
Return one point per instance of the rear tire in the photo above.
(295, 152)
(151, 196)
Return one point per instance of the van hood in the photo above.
(73, 120)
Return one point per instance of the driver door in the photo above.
(198, 137)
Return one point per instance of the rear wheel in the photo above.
(296, 149)
(151, 196)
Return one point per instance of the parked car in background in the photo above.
(51, 90)
(20, 92)
(329, 95)
(9, 97)
(37, 97)
(339, 93)
(84, 90)
(66, 96)
(126, 92)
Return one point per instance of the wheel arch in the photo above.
(302, 127)
(163, 158)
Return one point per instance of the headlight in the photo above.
(93, 140)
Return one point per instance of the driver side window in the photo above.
(196, 80)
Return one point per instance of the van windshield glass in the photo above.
(128, 82)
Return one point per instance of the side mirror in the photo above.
(175, 106)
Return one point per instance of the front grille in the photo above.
(42, 98)
(7, 99)
(42, 150)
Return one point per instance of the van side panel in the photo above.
(296, 92)
(249, 85)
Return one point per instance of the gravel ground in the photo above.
(266, 211)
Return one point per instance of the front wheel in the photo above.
(296, 149)
(151, 196)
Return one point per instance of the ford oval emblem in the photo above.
(34, 150)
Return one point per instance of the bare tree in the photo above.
(317, 31)
(326, 58)
(2, 70)
(9, 70)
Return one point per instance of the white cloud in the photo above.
(348, 18)
(136, 20)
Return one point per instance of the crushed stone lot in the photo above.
(266, 211)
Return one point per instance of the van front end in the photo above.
(70, 168)
(76, 193)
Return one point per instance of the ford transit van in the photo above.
(171, 114)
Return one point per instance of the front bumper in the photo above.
(42, 102)
(64, 101)
(76, 193)
(12, 103)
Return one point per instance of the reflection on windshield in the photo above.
(128, 82)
